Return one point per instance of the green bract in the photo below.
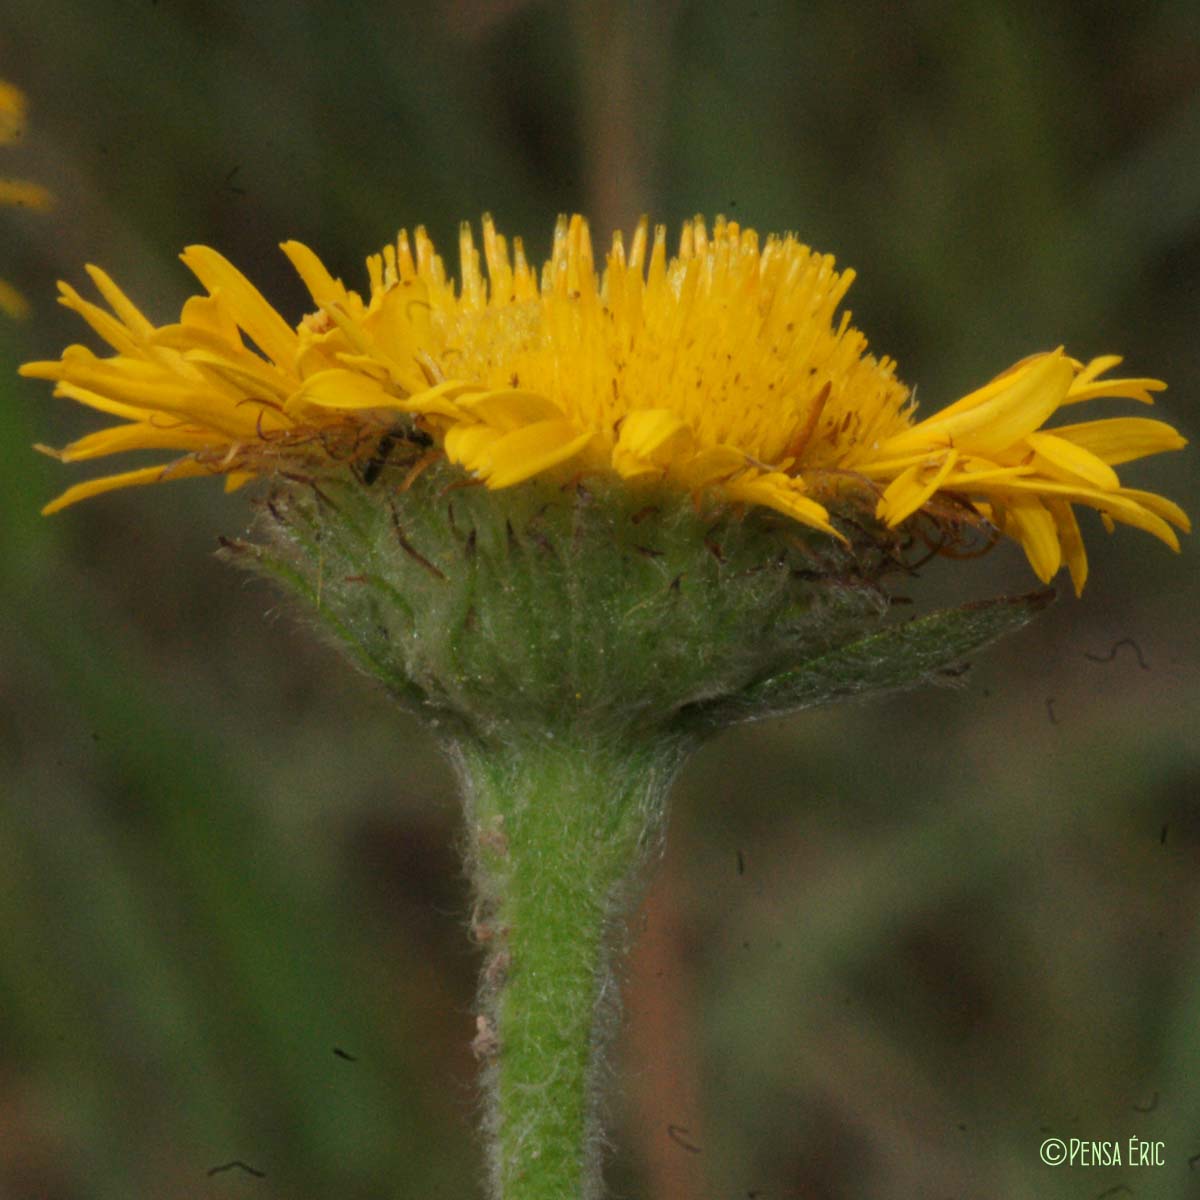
(598, 606)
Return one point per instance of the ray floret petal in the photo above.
(725, 371)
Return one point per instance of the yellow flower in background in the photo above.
(18, 192)
(724, 370)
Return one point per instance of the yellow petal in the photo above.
(101, 403)
(139, 436)
(1117, 440)
(181, 469)
(999, 384)
(1087, 387)
(42, 369)
(269, 330)
(526, 452)
(970, 472)
(56, 371)
(114, 332)
(145, 385)
(248, 374)
(322, 286)
(1096, 367)
(739, 348)
(1133, 508)
(629, 467)
(989, 421)
(709, 466)
(905, 494)
(440, 400)
(468, 446)
(362, 364)
(1168, 510)
(208, 314)
(508, 409)
(1071, 541)
(656, 435)
(1069, 459)
(126, 310)
(1030, 522)
(183, 338)
(784, 493)
(341, 389)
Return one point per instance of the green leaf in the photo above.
(902, 656)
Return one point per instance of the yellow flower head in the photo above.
(724, 371)
(17, 192)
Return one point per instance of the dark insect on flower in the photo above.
(388, 443)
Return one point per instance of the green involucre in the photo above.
(596, 605)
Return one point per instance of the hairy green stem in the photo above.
(559, 828)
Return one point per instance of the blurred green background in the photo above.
(964, 920)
